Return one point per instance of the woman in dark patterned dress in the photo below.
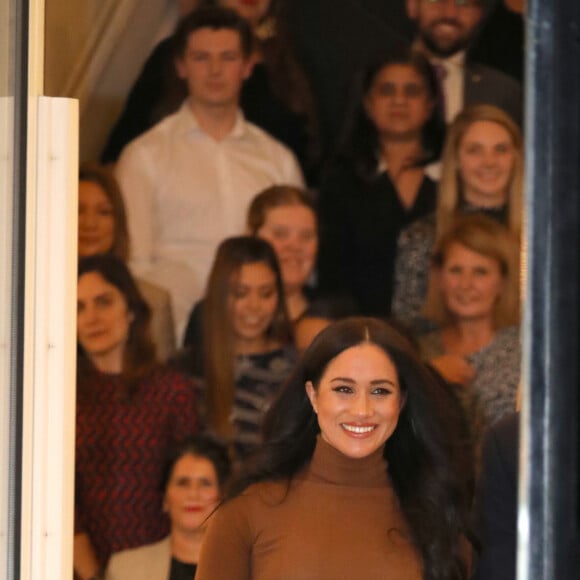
(129, 410)
(474, 299)
(382, 180)
(246, 349)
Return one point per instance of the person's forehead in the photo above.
(214, 38)
(430, 7)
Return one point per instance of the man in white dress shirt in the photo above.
(188, 181)
(445, 30)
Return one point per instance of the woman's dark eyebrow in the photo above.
(352, 381)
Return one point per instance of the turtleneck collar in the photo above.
(329, 465)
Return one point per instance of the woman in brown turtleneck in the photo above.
(355, 478)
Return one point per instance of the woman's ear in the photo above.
(402, 401)
(311, 392)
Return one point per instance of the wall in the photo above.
(94, 51)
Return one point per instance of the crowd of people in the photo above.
(298, 307)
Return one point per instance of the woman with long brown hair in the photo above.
(246, 350)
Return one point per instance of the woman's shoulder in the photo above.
(430, 345)
(420, 232)
(506, 342)
(337, 174)
(252, 504)
(153, 559)
(152, 293)
(165, 380)
(278, 360)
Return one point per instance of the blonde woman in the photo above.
(482, 172)
(474, 300)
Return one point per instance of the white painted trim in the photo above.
(50, 345)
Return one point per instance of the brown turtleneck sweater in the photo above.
(339, 520)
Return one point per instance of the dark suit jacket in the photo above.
(483, 84)
(499, 485)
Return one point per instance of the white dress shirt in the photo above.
(185, 192)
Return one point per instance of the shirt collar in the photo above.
(188, 122)
(431, 170)
(455, 60)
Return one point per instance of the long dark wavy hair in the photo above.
(420, 463)
(139, 356)
(360, 142)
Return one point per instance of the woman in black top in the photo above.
(195, 473)
(380, 181)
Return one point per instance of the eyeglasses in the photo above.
(466, 3)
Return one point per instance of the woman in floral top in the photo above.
(474, 299)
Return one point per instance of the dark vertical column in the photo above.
(549, 516)
(18, 63)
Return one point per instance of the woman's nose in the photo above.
(88, 315)
(466, 280)
(362, 406)
(254, 302)
(87, 220)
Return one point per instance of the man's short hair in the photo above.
(215, 18)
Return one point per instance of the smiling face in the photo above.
(253, 302)
(486, 161)
(96, 220)
(358, 400)
(103, 321)
(398, 102)
(471, 283)
(445, 26)
(291, 229)
(214, 67)
(192, 492)
(251, 10)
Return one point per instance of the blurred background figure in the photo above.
(381, 181)
(129, 409)
(284, 216)
(246, 349)
(103, 230)
(498, 505)
(482, 172)
(445, 31)
(276, 96)
(474, 300)
(188, 181)
(196, 472)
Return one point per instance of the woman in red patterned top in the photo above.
(129, 410)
